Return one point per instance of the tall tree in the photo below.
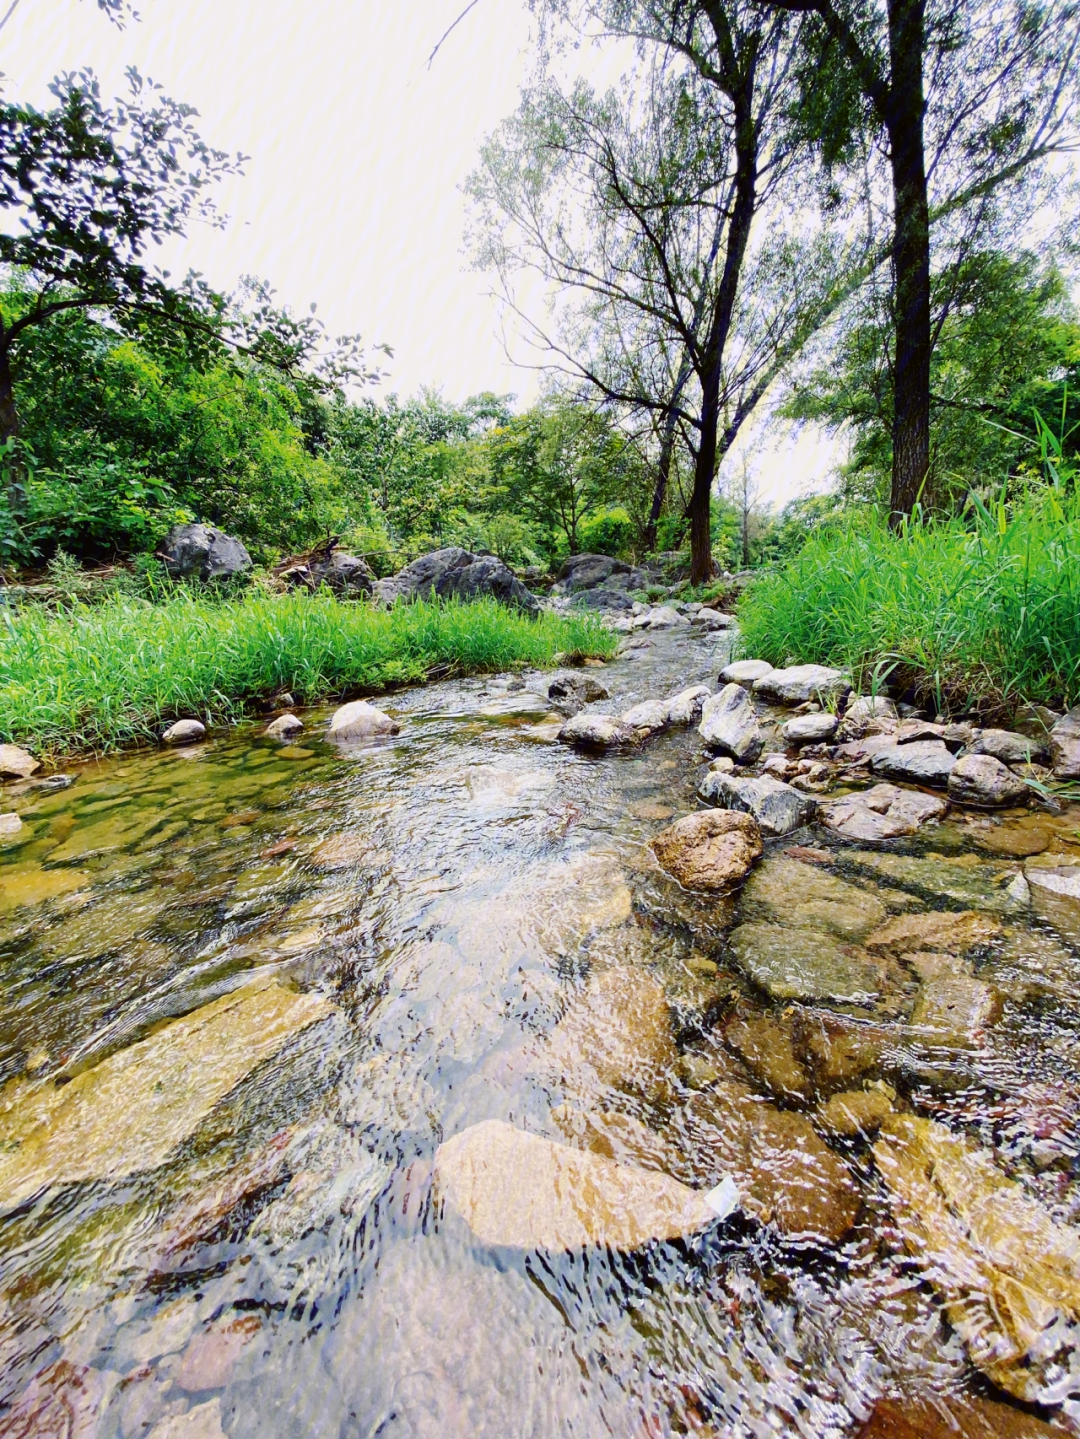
(965, 96)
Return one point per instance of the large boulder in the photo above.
(800, 683)
(198, 552)
(711, 850)
(614, 601)
(589, 572)
(980, 779)
(454, 573)
(923, 762)
(777, 807)
(729, 725)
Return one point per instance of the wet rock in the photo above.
(855, 1112)
(939, 930)
(129, 1112)
(10, 824)
(980, 779)
(1010, 748)
(777, 807)
(713, 850)
(581, 687)
(1017, 838)
(1055, 896)
(840, 1051)
(516, 1190)
(964, 879)
(1009, 1275)
(880, 813)
(650, 717)
(745, 672)
(16, 763)
(616, 1136)
(787, 891)
(809, 729)
(800, 683)
(708, 619)
(926, 762)
(454, 573)
(211, 1356)
(791, 963)
(62, 1402)
(724, 764)
(1035, 720)
(858, 753)
(729, 724)
(201, 553)
(616, 1034)
(185, 731)
(685, 707)
(341, 851)
(285, 727)
(359, 721)
(952, 1011)
(599, 732)
(34, 885)
(950, 1416)
(764, 1044)
(202, 1422)
(1065, 745)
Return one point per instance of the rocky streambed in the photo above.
(644, 1057)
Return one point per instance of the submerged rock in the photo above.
(1055, 896)
(764, 1044)
(359, 721)
(615, 1034)
(840, 1051)
(961, 879)
(1009, 1275)
(729, 724)
(185, 731)
(855, 1112)
(16, 763)
(953, 1010)
(745, 672)
(791, 963)
(952, 1416)
(516, 1190)
(922, 762)
(800, 683)
(713, 850)
(284, 727)
(881, 812)
(938, 930)
(787, 891)
(980, 779)
(777, 807)
(594, 731)
(129, 1112)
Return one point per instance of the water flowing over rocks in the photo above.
(596, 731)
(855, 1113)
(1055, 896)
(454, 573)
(785, 890)
(713, 850)
(948, 1417)
(801, 683)
(790, 963)
(360, 721)
(927, 762)
(982, 780)
(936, 930)
(729, 724)
(616, 1033)
(777, 807)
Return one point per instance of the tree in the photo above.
(966, 97)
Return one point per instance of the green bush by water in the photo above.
(93, 678)
(981, 610)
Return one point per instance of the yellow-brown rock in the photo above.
(936, 930)
(764, 1044)
(712, 850)
(615, 1034)
(1008, 1273)
(855, 1112)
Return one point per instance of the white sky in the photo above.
(351, 195)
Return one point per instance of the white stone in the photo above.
(729, 724)
(10, 824)
(284, 727)
(360, 720)
(799, 683)
(809, 729)
(16, 763)
(185, 731)
(650, 715)
(685, 707)
(744, 672)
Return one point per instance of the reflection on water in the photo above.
(248, 990)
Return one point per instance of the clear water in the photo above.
(286, 1269)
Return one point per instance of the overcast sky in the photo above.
(351, 195)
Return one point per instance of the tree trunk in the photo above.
(663, 476)
(14, 468)
(702, 569)
(911, 259)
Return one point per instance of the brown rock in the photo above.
(1017, 838)
(62, 1402)
(712, 850)
(764, 1044)
(210, 1358)
(787, 891)
(855, 1112)
(840, 1051)
(952, 1417)
(938, 929)
(882, 812)
(617, 1033)
(953, 1010)
(982, 780)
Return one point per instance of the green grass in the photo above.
(979, 612)
(94, 678)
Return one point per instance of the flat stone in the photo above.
(952, 1011)
(34, 885)
(598, 732)
(1008, 1273)
(580, 686)
(211, 1356)
(16, 763)
(185, 731)
(810, 729)
(787, 891)
(685, 707)
(129, 1113)
(777, 807)
(937, 930)
(518, 1191)
(927, 762)
(744, 672)
(729, 724)
(966, 879)
(712, 850)
(800, 683)
(915, 731)
(359, 721)
(982, 780)
(855, 1112)
(1017, 838)
(880, 813)
(652, 716)
(839, 1050)
(793, 963)
(764, 1044)
(202, 1422)
(1065, 745)
(1055, 896)
(284, 727)
(858, 753)
(951, 1416)
(616, 1033)
(1010, 748)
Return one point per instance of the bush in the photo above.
(609, 533)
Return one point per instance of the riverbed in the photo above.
(248, 990)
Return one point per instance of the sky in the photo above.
(358, 148)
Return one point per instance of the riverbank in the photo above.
(972, 613)
(92, 679)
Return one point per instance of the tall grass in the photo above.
(93, 678)
(980, 611)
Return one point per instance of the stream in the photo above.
(247, 989)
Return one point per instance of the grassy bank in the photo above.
(94, 678)
(982, 611)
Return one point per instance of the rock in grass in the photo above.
(359, 721)
(713, 850)
(284, 727)
(926, 762)
(729, 725)
(777, 807)
(202, 553)
(1065, 745)
(800, 683)
(1011, 748)
(809, 729)
(16, 763)
(518, 1191)
(599, 732)
(745, 672)
(185, 731)
(982, 780)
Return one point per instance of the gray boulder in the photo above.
(577, 686)
(198, 552)
(1065, 745)
(745, 672)
(651, 716)
(346, 575)
(454, 573)
(587, 572)
(925, 762)
(662, 617)
(980, 779)
(185, 731)
(615, 601)
(1010, 748)
(800, 683)
(809, 729)
(685, 707)
(883, 812)
(707, 619)
(729, 725)
(593, 731)
(777, 807)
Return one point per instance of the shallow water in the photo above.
(246, 1238)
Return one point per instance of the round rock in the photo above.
(712, 850)
(980, 779)
(745, 672)
(185, 731)
(284, 727)
(809, 729)
(359, 721)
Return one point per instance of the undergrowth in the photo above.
(979, 611)
(92, 678)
